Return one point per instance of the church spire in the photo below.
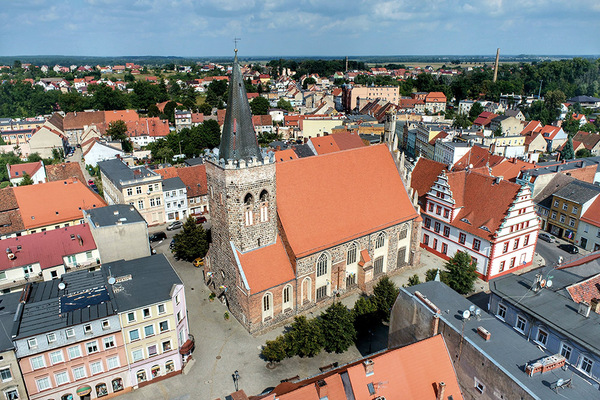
(238, 141)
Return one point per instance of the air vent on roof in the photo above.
(72, 237)
(545, 364)
(123, 278)
(116, 212)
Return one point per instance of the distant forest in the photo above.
(559, 80)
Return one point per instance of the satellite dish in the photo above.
(560, 382)
(470, 166)
(466, 314)
(62, 286)
(472, 308)
(543, 283)
(548, 283)
(478, 312)
(111, 280)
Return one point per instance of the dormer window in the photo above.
(466, 221)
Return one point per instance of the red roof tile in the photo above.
(347, 140)
(509, 168)
(194, 178)
(266, 266)
(341, 195)
(18, 170)
(468, 188)
(586, 290)
(285, 155)
(63, 171)
(324, 144)
(48, 248)
(424, 175)
(592, 214)
(414, 371)
(55, 202)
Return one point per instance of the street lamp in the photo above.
(236, 378)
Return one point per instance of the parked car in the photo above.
(569, 248)
(174, 225)
(198, 262)
(547, 237)
(201, 219)
(90, 182)
(157, 237)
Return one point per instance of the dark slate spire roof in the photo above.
(238, 141)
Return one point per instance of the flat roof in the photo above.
(145, 280)
(506, 348)
(114, 215)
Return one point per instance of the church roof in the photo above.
(266, 266)
(238, 141)
(333, 198)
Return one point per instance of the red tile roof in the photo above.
(285, 155)
(589, 140)
(586, 290)
(549, 131)
(194, 178)
(18, 170)
(509, 168)
(77, 120)
(477, 157)
(324, 144)
(10, 216)
(55, 202)
(342, 197)
(413, 371)
(48, 248)
(435, 97)
(424, 175)
(63, 171)
(532, 126)
(123, 115)
(468, 188)
(592, 214)
(266, 267)
(262, 120)
(485, 118)
(347, 140)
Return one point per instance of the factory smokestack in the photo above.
(496, 64)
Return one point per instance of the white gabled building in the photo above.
(492, 219)
(175, 199)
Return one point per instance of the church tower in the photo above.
(241, 183)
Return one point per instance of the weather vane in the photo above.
(236, 40)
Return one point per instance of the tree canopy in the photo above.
(461, 274)
(191, 242)
(337, 326)
(259, 106)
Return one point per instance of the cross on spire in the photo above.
(235, 41)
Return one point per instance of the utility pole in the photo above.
(540, 91)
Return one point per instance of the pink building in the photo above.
(68, 339)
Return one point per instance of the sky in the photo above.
(279, 28)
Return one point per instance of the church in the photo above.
(289, 236)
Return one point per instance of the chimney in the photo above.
(278, 148)
(440, 391)
(584, 309)
(322, 389)
(368, 364)
(484, 333)
(595, 305)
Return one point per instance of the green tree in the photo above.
(305, 337)
(384, 296)
(191, 242)
(588, 127)
(498, 131)
(107, 98)
(170, 111)
(26, 180)
(582, 153)
(461, 274)
(570, 125)
(432, 273)
(567, 153)
(275, 350)
(117, 131)
(2, 142)
(365, 314)
(308, 81)
(284, 104)
(337, 326)
(153, 110)
(205, 109)
(461, 121)
(414, 280)
(34, 157)
(475, 110)
(259, 106)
